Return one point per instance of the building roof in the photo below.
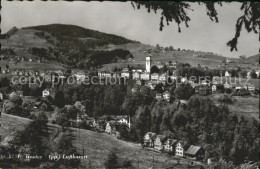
(162, 137)
(172, 141)
(151, 134)
(184, 144)
(193, 150)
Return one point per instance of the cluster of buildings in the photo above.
(112, 126)
(138, 74)
(172, 146)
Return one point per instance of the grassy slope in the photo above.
(11, 124)
(96, 145)
(246, 106)
(254, 58)
(137, 49)
(31, 65)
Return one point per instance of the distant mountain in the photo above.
(66, 44)
(254, 58)
(12, 31)
(75, 32)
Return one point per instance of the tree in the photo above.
(112, 160)
(166, 49)
(253, 74)
(123, 130)
(5, 82)
(154, 69)
(178, 12)
(184, 91)
(171, 48)
(59, 99)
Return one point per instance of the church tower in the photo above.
(148, 63)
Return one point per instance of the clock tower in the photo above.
(148, 64)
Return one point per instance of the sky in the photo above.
(120, 18)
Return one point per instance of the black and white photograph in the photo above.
(129, 85)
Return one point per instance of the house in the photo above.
(166, 96)
(184, 79)
(125, 73)
(136, 75)
(124, 119)
(1, 96)
(138, 82)
(163, 78)
(158, 96)
(149, 139)
(155, 77)
(227, 74)
(80, 76)
(145, 76)
(45, 93)
(159, 142)
(108, 128)
(181, 147)
(195, 152)
(169, 145)
(227, 86)
(251, 87)
(204, 83)
(173, 77)
(214, 88)
(248, 75)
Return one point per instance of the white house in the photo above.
(227, 74)
(158, 96)
(108, 128)
(138, 82)
(248, 75)
(136, 75)
(184, 79)
(125, 73)
(149, 139)
(154, 77)
(214, 88)
(1, 96)
(80, 76)
(181, 147)
(163, 77)
(251, 87)
(45, 93)
(227, 86)
(145, 76)
(166, 96)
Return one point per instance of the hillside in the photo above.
(76, 32)
(62, 44)
(139, 52)
(97, 145)
(84, 48)
(254, 58)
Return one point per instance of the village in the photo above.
(110, 124)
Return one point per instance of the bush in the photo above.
(112, 160)
(225, 99)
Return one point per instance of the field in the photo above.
(238, 81)
(9, 125)
(137, 49)
(30, 65)
(246, 106)
(97, 146)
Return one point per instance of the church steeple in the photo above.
(148, 63)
